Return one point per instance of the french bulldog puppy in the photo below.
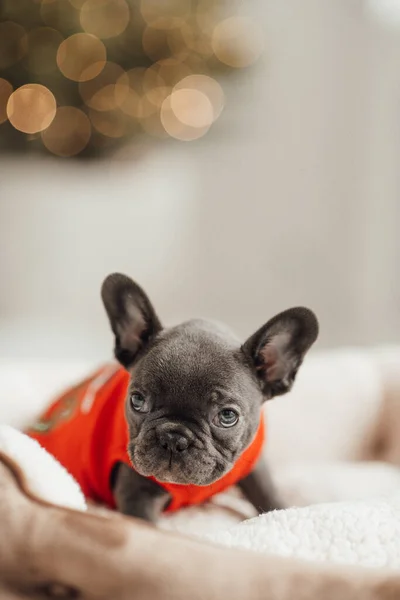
(195, 397)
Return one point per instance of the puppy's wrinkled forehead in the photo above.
(195, 357)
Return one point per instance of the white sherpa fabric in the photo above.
(45, 476)
(363, 533)
(300, 485)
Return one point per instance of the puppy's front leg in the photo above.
(259, 489)
(137, 496)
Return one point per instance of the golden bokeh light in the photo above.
(106, 91)
(6, 89)
(158, 94)
(105, 18)
(175, 127)
(180, 42)
(84, 75)
(161, 14)
(137, 104)
(111, 124)
(132, 105)
(166, 72)
(208, 86)
(31, 108)
(43, 45)
(192, 107)
(69, 133)
(237, 42)
(187, 39)
(13, 43)
(136, 77)
(81, 57)
(151, 87)
(208, 14)
(151, 78)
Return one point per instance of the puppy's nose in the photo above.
(174, 441)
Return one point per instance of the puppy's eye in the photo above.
(138, 402)
(227, 417)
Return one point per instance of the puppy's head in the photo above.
(195, 393)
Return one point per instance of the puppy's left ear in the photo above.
(277, 349)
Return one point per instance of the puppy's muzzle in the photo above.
(174, 438)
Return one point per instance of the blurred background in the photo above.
(235, 158)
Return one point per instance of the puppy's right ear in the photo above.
(132, 317)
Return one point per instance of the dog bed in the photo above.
(338, 411)
(48, 550)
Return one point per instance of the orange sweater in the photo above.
(85, 430)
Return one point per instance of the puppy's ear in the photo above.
(277, 349)
(131, 315)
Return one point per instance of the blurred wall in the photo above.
(309, 190)
(292, 198)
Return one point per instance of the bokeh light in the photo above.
(6, 89)
(137, 103)
(69, 133)
(157, 94)
(161, 14)
(106, 91)
(13, 43)
(208, 14)
(237, 42)
(31, 108)
(208, 86)
(189, 39)
(175, 111)
(116, 69)
(109, 123)
(81, 57)
(104, 18)
(138, 106)
(165, 73)
(192, 107)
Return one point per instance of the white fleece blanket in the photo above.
(364, 529)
